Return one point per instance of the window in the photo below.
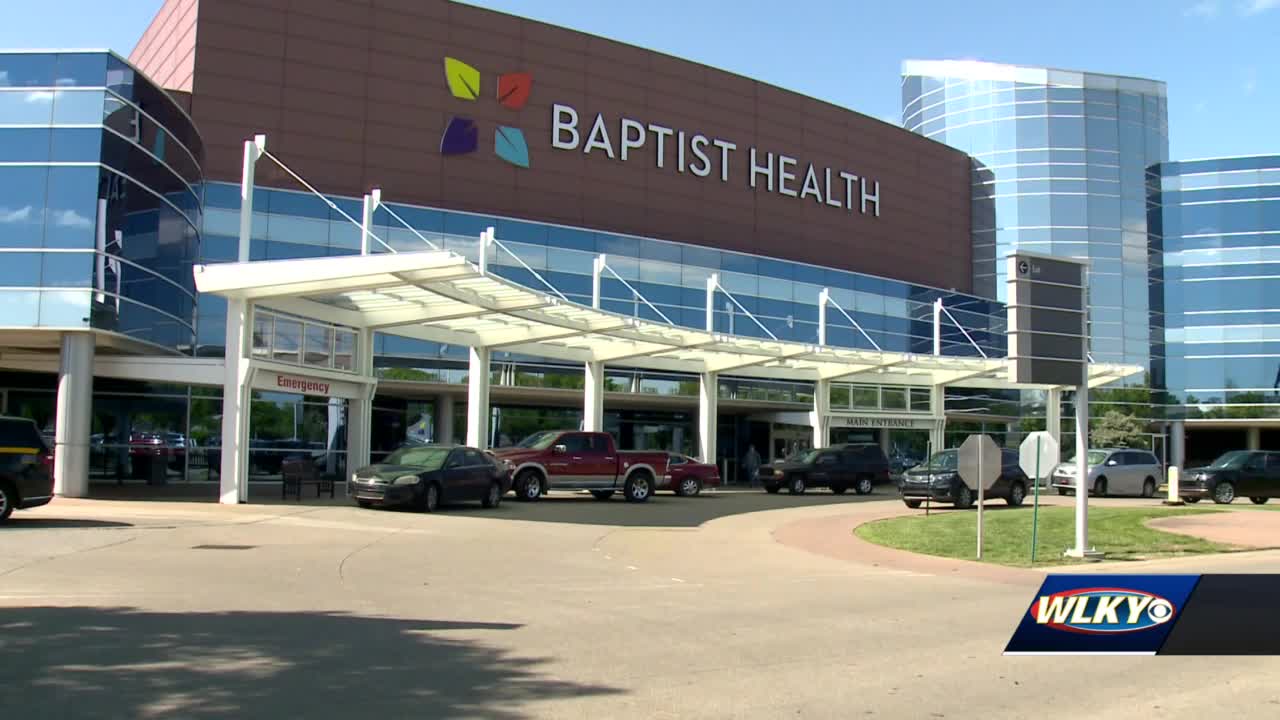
(576, 443)
(894, 398)
(920, 400)
(866, 397)
(318, 344)
(828, 459)
(473, 457)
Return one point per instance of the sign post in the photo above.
(979, 463)
(1037, 456)
(1049, 345)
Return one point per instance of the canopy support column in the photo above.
(233, 472)
(74, 416)
(360, 412)
(708, 413)
(478, 397)
(938, 405)
(593, 398)
(443, 420)
(821, 419)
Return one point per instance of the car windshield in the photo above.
(1231, 460)
(1095, 457)
(945, 460)
(539, 440)
(427, 458)
(805, 457)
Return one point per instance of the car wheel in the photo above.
(494, 496)
(862, 486)
(431, 498)
(364, 504)
(771, 489)
(1062, 491)
(528, 486)
(8, 498)
(1149, 488)
(1017, 493)
(689, 487)
(796, 486)
(838, 489)
(1224, 493)
(911, 503)
(1259, 500)
(638, 487)
(963, 497)
(602, 494)
(1100, 487)
(1191, 501)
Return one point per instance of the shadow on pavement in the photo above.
(663, 509)
(126, 663)
(20, 522)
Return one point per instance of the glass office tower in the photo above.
(1060, 169)
(1219, 221)
(1060, 163)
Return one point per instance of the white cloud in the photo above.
(70, 218)
(42, 96)
(15, 215)
(1204, 8)
(1253, 7)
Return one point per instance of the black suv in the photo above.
(1254, 474)
(26, 466)
(938, 480)
(839, 468)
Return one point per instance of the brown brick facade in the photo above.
(352, 94)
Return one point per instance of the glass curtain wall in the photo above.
(1219, 221)
(1060, 162)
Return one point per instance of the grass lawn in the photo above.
(1117, 532)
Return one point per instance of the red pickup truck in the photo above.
(574, 460)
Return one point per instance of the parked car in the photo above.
(849, 466)
(938, 480)
(1113, 471)
(686, 476)
(426, 476)
(569, 459)
(26, 467)
(1254, 474)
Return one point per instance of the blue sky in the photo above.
(1220, 58)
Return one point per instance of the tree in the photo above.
(1116, 429)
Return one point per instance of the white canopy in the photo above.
(441, 296)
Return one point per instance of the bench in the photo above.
(302, 471)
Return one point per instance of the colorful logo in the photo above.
(462, 134)
(1102, 610)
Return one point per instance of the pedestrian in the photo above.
(751, 463)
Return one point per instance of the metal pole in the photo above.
(823, 297)
(597, 270)
(981, 496)
(712, 283)
(252, 151)
(1082, 434)
(371, 201)
(937, 326)
(1035, 507)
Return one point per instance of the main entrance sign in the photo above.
(703, 156)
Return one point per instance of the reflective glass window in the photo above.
(344, 350)
(22, 204)
(319, 342)
(64, 308)
(67, 269)
(287, 340)
(78, 107)
(82, 69)
(27, 69)
(19, 270)
(76, 145)
(865, 397)
(72, 207)
(24, 144)
(894, 398)
(25, 107)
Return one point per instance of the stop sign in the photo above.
(979, 461)
(1038, 455)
